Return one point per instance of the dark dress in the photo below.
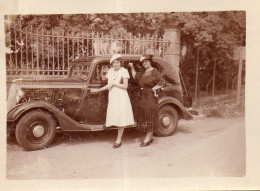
(148, 105)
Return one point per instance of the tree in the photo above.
(215, 34)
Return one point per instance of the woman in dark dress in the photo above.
(150, 81)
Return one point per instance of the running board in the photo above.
(88, 127)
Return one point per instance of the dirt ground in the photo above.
(203, 147)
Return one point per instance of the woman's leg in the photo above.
(119, 134)
(148, 137)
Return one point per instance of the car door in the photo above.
(96, 103)
(71, 97)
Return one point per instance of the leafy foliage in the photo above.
(215, 34)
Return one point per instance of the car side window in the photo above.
(100, 72)
(80, 70)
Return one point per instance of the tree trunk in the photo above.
(214, 77)
(197, 75)
(227, 80)
(227, 75)
(239, 77)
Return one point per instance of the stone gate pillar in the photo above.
(172, 51)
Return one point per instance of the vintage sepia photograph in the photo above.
(125, 95)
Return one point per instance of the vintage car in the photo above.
(47, 106)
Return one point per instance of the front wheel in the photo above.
(167, 121)
(35, 130)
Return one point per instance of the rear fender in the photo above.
(182, 111)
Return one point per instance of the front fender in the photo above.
(19, 109)
(65, 122)
(176, 103)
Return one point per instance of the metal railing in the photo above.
(38, 53)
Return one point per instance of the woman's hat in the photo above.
(114, 57)
(146, 57)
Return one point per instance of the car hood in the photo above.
(50, 83)
(48, 80)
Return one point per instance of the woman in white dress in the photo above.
(119, 109)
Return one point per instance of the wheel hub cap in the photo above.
(38, 131)
(166, 121)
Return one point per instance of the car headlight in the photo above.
(14, 96)
(19, 94)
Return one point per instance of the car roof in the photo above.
(106, 57)
(168, 68)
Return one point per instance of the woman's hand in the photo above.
(94, 90)
(110, 86)
(131, 65)
(155, 88)
(119, 85)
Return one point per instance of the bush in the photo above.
(224, 110)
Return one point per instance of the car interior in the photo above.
(99, 74)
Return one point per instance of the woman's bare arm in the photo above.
(122, 86)
(102, 89)
(132, 70)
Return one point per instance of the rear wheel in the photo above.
(167, 121)
(35, 130)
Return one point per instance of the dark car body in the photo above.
(73, 107)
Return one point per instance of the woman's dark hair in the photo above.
(147, 57)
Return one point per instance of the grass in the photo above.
(224, 110)
(222, 105)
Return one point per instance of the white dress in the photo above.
(119, 109)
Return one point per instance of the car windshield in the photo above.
(80, 71)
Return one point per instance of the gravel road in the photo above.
(204, 147)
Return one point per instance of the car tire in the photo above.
(167, 121)
(35, 130)
(10, 130)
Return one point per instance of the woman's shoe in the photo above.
(143, 144)
(116, 145)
